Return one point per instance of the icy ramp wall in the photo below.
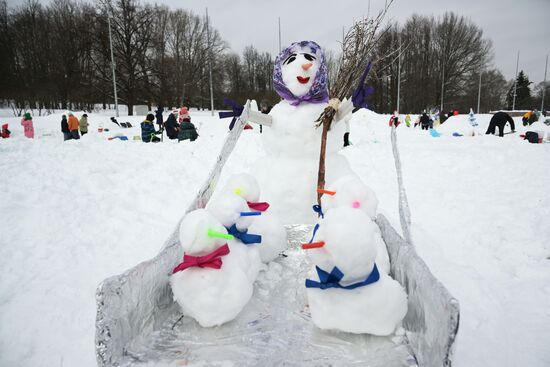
(433, 314)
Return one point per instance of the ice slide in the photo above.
(139, 324)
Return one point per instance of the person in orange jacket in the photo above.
(74, 125)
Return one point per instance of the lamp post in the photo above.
(112, 60)
(442, 89)
(398, 74)
(209, 64)
(544, 85)
(479, 92)
(515, 84)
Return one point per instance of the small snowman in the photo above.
(234, 214)
(288, 173)
(208, 284)
(349, 191)
(267, 224)
(346, 291)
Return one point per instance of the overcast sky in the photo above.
(512, 25)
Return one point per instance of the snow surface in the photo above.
(76, 212)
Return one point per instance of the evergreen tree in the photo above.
(524, 100)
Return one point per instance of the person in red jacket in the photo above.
(394, 120)
(5, 131)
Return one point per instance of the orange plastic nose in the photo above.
(307, 66)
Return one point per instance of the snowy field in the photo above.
(75, 212)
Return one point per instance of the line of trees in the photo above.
(58, 56)
(448, 50)
(525, 99)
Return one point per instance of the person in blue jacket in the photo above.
(148, 130)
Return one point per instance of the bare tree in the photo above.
(448, 50)
(132, 37)
(357, 50)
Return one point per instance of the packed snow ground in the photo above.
(76, 212)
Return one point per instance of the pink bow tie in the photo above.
(211, 260)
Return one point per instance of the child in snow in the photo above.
(5, 131)
(408, 120)
(529, 118)
(26, 121)
(158, 115)
(424, 121)
(184, 114)
(148, 130)
(74, 125)
(65, 128)
(187, 130)
(84, 124)
(171, 126)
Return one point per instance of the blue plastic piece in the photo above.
(434, 133)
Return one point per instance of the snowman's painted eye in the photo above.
(291, 58)
(309, 57)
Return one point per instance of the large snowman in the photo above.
(288, 173)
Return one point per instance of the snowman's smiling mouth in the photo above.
(302, 80)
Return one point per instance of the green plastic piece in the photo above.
(216, 234)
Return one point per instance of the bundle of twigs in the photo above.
(357, 48)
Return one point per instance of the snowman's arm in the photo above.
(259, 118)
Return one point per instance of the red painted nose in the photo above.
(307, 66)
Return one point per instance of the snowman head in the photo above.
(243, 185)
(348, 241)
(349, 191)
(300, 73)
(195, 233)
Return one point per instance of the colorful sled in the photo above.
(139, 324)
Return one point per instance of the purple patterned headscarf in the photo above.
(318, 93)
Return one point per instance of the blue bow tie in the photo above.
(332, 279)
(246, 238)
